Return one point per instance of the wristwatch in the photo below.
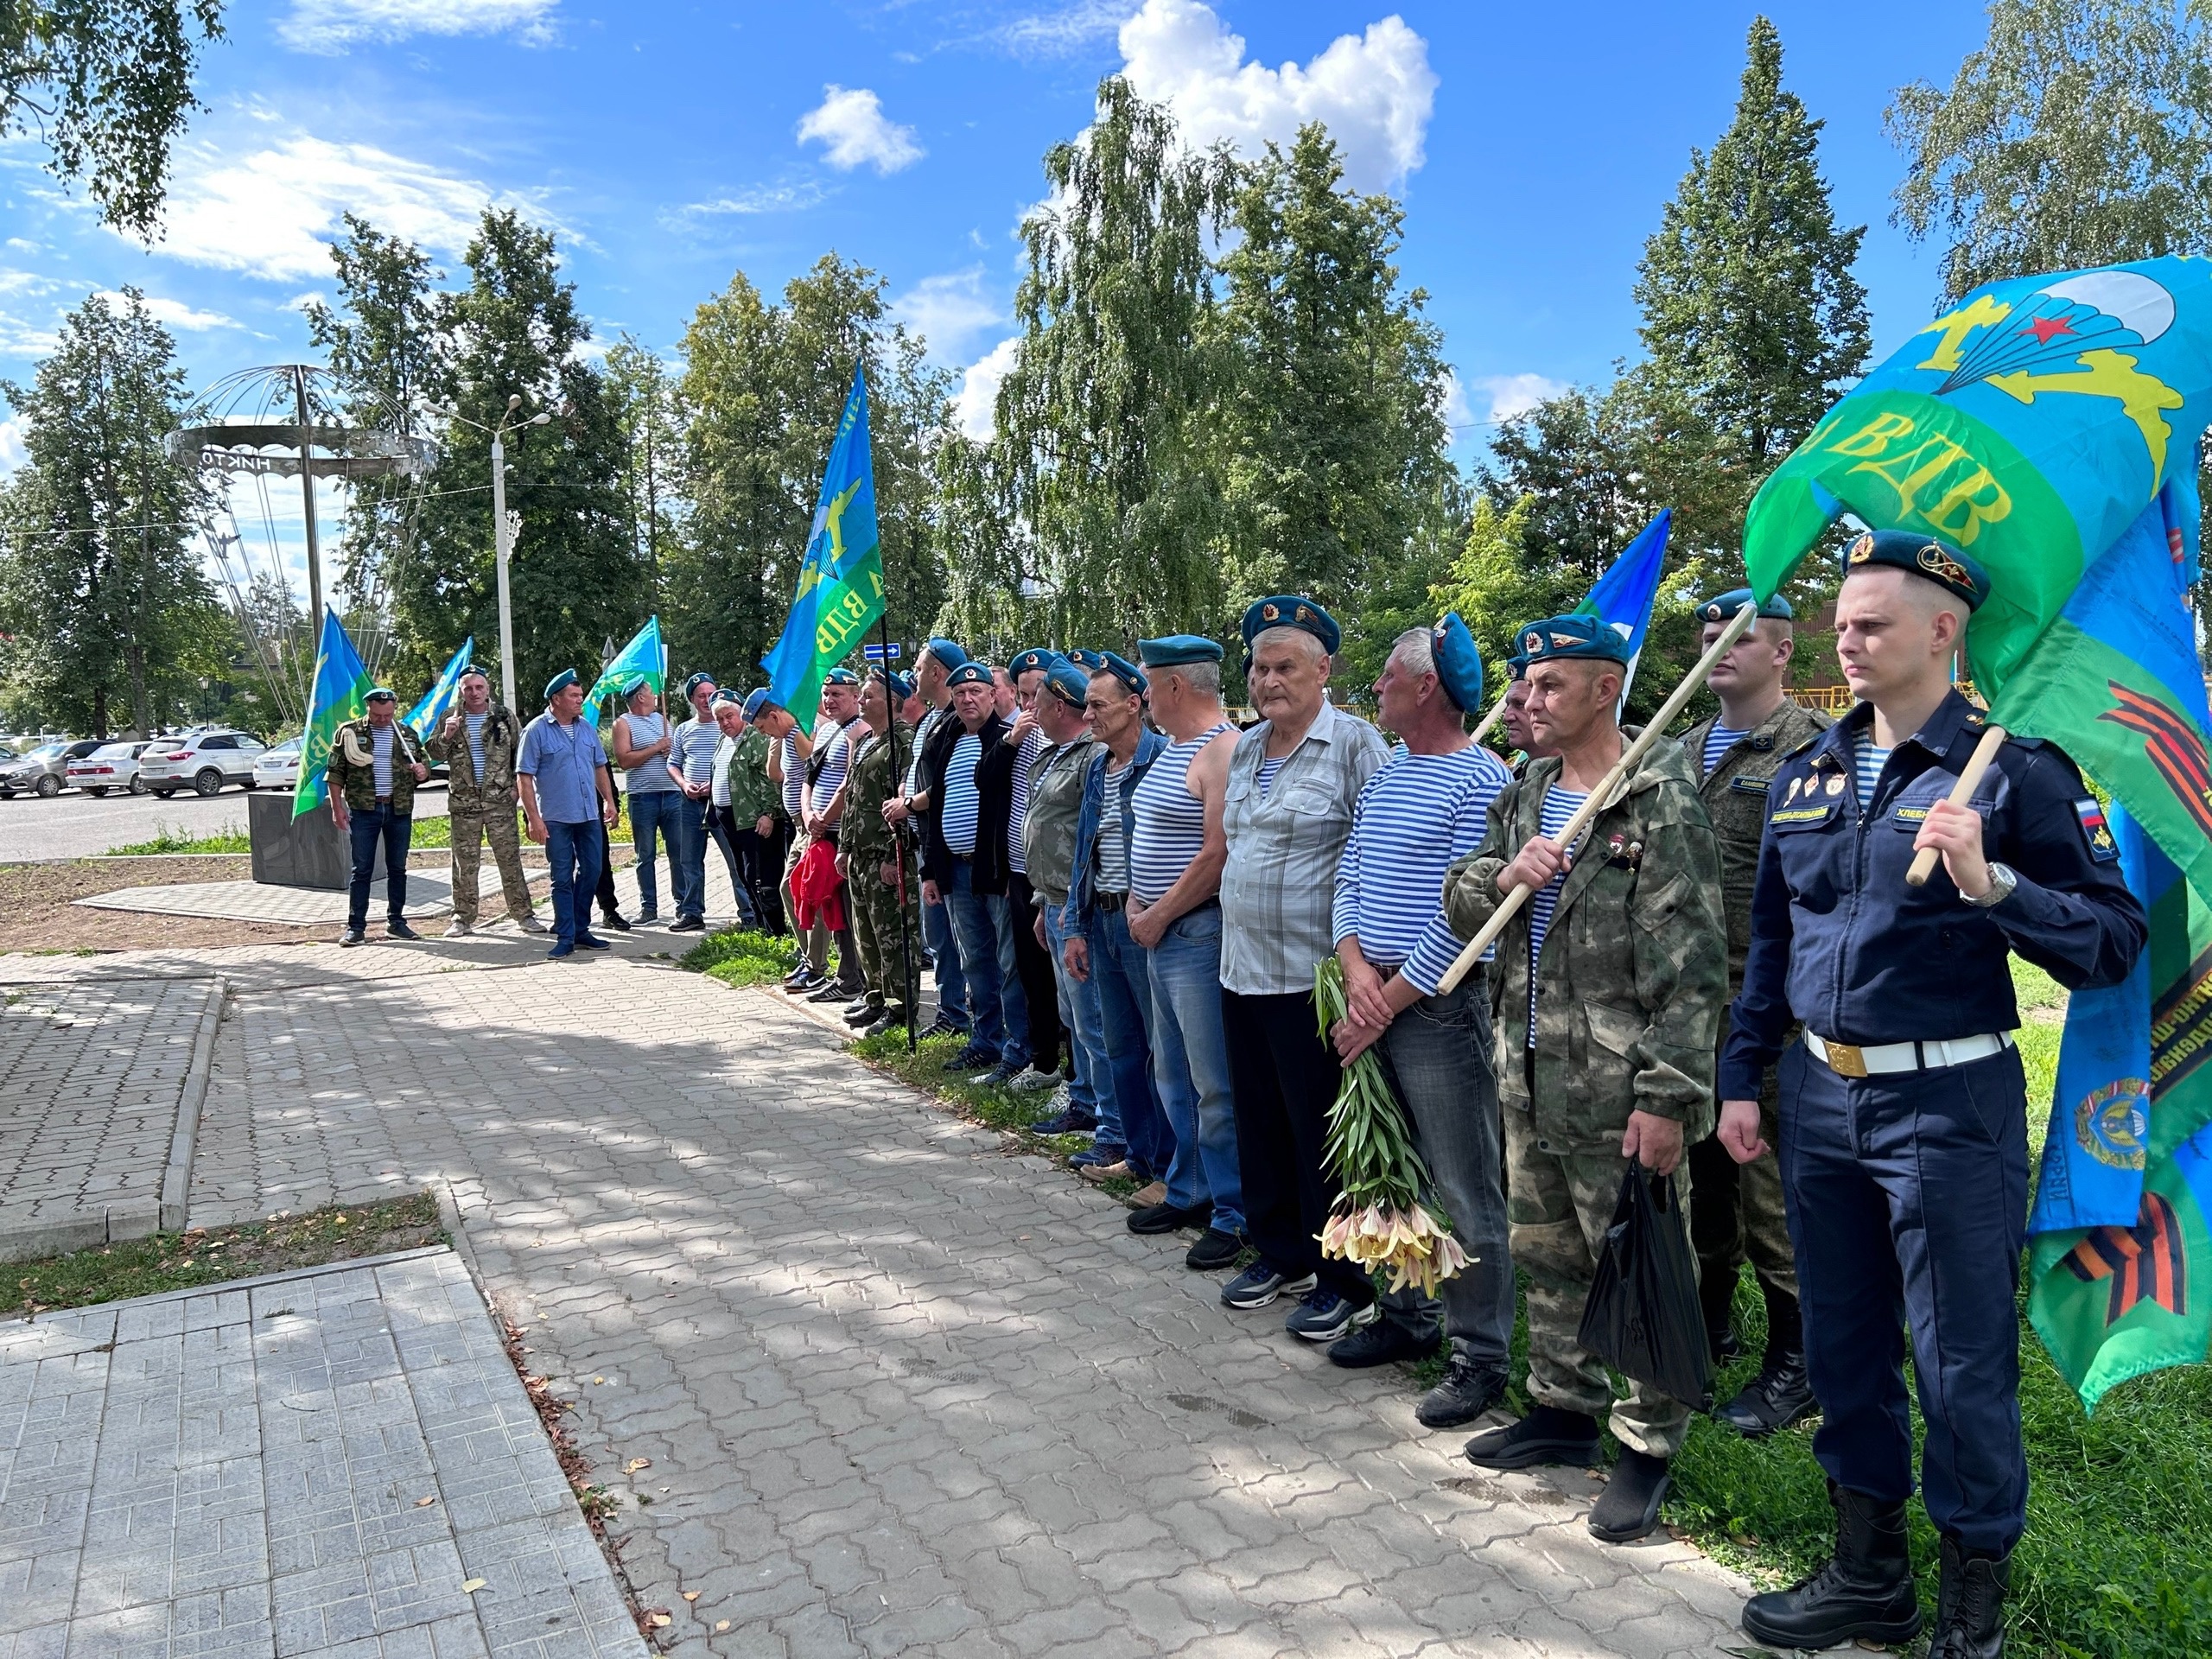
(2002, 880)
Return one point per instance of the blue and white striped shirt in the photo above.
(1171, 822)
(1867, 765)
(794, 774)
(1560, 805)
(962, 805)
(836, 761)
(1718, 742)
(1268, 767)
(1412, 819)
(1025, 763)
(475, 723)
(692, 750)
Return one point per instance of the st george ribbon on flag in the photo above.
(339, 693)
(839, 592)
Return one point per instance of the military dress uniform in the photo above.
(868, 843)
(483, 809)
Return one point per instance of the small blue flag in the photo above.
(437, 701)
(1622, 596)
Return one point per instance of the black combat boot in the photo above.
(1865, 1592)
(1780, 1393)
(1970, 1605)
(1716, 1295)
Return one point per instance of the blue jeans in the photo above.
(657, 811)
(572, 851)
(1190, 1062)
(1092, 1090)
(739, 843)
(687, 860)
(945, 962)
(1121, 969)
(362, 828)
(984, 927)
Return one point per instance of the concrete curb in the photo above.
(177, 1180)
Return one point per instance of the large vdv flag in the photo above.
(840, 581)
(339, 694)
(438, 700)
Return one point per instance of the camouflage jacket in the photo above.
(862, 831)
(1630, 988)
(502, 737)
(1735, 800)
(353, 771)
(752, 796)
(1055, 804)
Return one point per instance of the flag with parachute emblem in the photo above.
(840, 580)
(340, 693)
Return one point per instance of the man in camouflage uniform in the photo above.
(757, 824)
(481, 803)
(880, 880)
(375, 763)
(1736, 1212)
(1608, 986)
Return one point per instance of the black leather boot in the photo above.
(1778, 1397)
(1865, 1591)
(1970, 1605)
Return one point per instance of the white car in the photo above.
(202, 761)
(278, 768)
(115, 766)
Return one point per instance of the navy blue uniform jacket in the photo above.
(1839, 941)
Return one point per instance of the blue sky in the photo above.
(672, 144)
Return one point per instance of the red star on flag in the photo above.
(2047, 329)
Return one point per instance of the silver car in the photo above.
(278, 768)
(201, 761)
(45, 770)
(113, 766)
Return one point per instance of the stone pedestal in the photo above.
(289, 852)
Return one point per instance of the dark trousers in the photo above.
(573, 851)
(1908, 1204)
(1040, 987)
(603, 884)
(362, 828)
(741, 848)
(764, 875)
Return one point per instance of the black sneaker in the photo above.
(1260, 1284)
(857, 1003)
(1546, 1434)
(862, 1015)
(969, 1057)
(1469, 1389)
(1073, 1121)
(828, 991)
(612, 918)
(1167, 1218)
(798, 977)
(687, 925)
(885, 1022)
(353, 935)
(1214, 1251)
(397, 928)
(944, 1027)
(1383, 1342)
(592, 942)
(1629, 1507)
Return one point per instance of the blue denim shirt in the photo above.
(1075, 920)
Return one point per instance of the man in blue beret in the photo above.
(1607, 997)
(568, 800)
(730, 825)
(478, 742)
(691, 764)
(375, 763)
(1087, 660)
(1032, 959)
(1737, 1215)
(1049, 830)
(838, 733)
(642, 738)
(911, 806)
(881, 881)
(1903, 1110)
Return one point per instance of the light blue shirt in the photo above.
(565, 761)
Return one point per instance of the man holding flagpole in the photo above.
(478, 742)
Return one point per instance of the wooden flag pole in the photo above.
(1496, 711)
(1630, 757)
(1984, 754)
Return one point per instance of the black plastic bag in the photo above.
(1642, 1317)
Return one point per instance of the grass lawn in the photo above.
(170, 838)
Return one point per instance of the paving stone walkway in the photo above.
(338, 1461)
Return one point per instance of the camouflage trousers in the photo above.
(1559, 1205)
(876, 933)
(1736, 1212)
(473, 823)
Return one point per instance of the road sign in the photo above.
(874, 653)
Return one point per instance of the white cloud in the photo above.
(1056, 33)
(974, 405)
(1509, 394)
(273, 213)
(948, 311)
(1374, 92)
(12, 452)
(332, 26)
(852, 125)
(176, 314)
(761, 199)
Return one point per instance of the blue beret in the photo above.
(1124, 670)
(379, 694)
(1086, 659)
(1291, 611)
(1033, 658)
(634, 684)
(970, 672)
(1176, 649)
(1924, 555)
(697, 680)
(1721, 606)
(897, 684)
(724, 694)
(1068, 681)
(1588, 637)
(756, 701)
(840, 677)
(560, 682)
(946, 653)
(1459, 665)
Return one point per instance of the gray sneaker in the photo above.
(457, 929)
(531, 925)
(1028, 1082)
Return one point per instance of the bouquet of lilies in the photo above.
(1379, 1222)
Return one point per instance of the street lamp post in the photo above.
(502, 545)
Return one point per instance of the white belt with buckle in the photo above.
(1878, 1059)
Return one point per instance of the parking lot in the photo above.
(73, 825)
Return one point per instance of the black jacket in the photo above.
(994, 792)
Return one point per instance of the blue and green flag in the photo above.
(840, 581)
(438, 700)
(339, 694)
(642, 656)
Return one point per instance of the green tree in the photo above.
(107, 607)
(107, 84)
(2080, 133)
(1398, 592)
(643, 397)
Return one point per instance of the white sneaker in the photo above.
(458, 929)
(1032, 1080)
(529, 925)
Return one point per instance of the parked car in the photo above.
(45, 770)
(113, 766)
(278, 768)
(203, 761)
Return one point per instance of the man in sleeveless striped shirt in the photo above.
(1425, 807)
(1736, 1215)
(1608, 1002)
(642, 740)
(1177, 849)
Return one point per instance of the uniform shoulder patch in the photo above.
(2103, 847)
(1750, 786)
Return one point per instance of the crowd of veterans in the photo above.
(1722, 975)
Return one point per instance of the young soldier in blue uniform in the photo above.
(1903, 1129)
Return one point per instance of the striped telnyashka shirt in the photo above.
(1024, 766)
(962, 807)
(1718, 742)
(1171, 822)
(1560, 805)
